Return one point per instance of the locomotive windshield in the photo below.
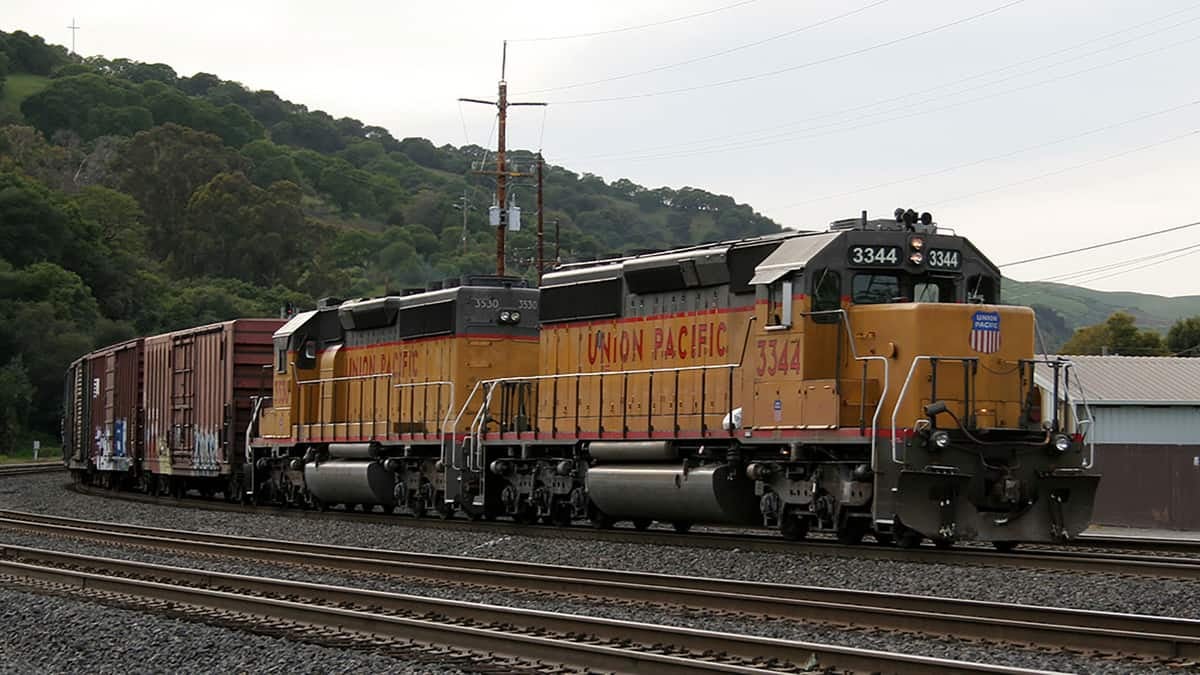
(875, 288)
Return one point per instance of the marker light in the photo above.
(941, 439)
(916, 258)
(1062, 442)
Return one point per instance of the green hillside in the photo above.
(135, 200)
(1062, 308)
(18, 87)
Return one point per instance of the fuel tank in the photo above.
(710, 494)
(350, 482)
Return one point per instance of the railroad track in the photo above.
(1065, 559)
(572, 641)
(1166, 639)
(31, 467)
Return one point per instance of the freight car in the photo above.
(860, 380)
(168, 413)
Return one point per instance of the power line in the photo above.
(1102, 269)
(832, 127)
(755, 136)
(724, 52)
(637, 27)
(1073, 167)
(1093, 247)
(1192, 251)
(1005, 155)
(809, 64)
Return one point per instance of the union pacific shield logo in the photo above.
(985, 332)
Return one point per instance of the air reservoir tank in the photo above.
(670, 493)
(342, 481)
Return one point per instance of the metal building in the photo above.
(1146, 430)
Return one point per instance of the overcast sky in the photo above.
(1035, 127)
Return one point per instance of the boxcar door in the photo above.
(183, 400)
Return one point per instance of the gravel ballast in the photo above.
(52, 634)
(45, 494)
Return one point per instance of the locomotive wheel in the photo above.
(1004, 546)
(526, 514)
(885, 538)
(681, 526)
(642, 523)
(909, 539)
(793, 526)
(851, 533)
(560, 514)
(419, 509)
(602, 521)
(943, 543)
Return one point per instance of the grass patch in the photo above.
(25, 455)
(17, 88)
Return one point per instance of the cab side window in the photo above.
(981, 289)
(827, 295)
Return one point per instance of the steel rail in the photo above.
(31, 467)
(573, 640)
(1163, 637)
(1062, 560)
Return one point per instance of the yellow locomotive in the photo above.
(860, 380)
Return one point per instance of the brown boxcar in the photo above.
(104, 409)
(197, 402)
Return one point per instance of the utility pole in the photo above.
(464, 207)
(541, 257)
(73, 28)
(501, 173)
(557, 253)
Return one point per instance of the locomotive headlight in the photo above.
(515, 317)
(941, 440)
(916, 258)
(505, 317)
(916, 243)
(1062, 442)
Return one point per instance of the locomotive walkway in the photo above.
(1172, 640)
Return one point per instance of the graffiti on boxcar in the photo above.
(204, 451)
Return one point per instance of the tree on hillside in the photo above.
(16, 399)
(1118, 334)
(162, 167)
(1184, 337)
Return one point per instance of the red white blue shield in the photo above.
(985, 332)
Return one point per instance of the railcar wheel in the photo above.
(1004, 546)
(642, 523)
(850, 534)
(681, 527)
(793, 526)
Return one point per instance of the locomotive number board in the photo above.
(884, 256)
(944, 259)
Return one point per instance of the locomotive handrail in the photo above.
(476, 431)
(900, 399)
(449, 405)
